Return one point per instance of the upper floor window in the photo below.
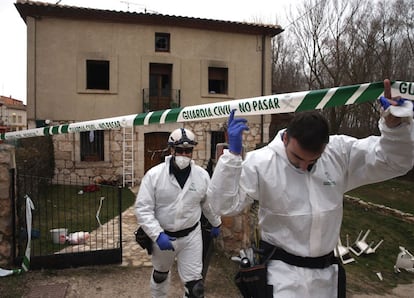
(217, 80)
(162, 42)
(97, 74)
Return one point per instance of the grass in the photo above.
(61, 206)
(362, 274)
(395, 193)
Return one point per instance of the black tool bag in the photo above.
(252, 279)
(143, 240)
(252, 282)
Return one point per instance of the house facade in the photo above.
(12, 114)
(85, 64)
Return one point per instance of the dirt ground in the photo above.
(128, 281)
(402, 291)
(119, 281)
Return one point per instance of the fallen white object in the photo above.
(78, 237)
(360, 246)
(343, 251)
(405, 260)
(379, 274)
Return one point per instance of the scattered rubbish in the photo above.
(343, 251)
(379, 274)
(372, 250)
(59, 235)
(360, 246)
(78, 237)
(405, 260)
(91, 188)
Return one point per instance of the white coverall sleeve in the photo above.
(224, 193)
(375, 159)
(213, 218)
(145, 208)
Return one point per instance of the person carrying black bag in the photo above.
(168, 207)
(299, 180)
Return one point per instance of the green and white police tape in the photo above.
(271, 104)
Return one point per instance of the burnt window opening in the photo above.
(97, 74)
(217, 80)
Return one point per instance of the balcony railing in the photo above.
(160, 99)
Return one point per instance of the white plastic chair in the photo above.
(405, 260)
(343, 252)
(372, 250)
(360, 246)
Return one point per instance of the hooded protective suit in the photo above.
(301, 212)
(161, 205)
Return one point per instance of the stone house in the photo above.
(12, 114)
(85, 64)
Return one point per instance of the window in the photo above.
(216, 138)
(217, 80)
(162, 42)
(92, 145)
(97, 74)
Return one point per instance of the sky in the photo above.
(13, 28)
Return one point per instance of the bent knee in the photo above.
(159, 276)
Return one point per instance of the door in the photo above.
(156, 148)
(160, 86)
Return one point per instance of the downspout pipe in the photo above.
(263, 87)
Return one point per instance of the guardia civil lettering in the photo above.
(407, 88)
(259, 105)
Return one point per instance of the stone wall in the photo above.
(7, 162)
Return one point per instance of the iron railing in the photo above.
(160, 99)
(73, 224)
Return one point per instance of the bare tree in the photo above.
(339, 42)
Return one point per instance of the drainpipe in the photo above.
(35, 70)
(263, 83)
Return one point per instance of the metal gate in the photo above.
(73, 224)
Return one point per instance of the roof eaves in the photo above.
(38, 9)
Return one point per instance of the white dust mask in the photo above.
(182, 161)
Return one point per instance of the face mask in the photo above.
(182, 161)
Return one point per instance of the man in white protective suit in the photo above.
(168, 207)
(299, 180)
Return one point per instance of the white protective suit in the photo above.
(301, 212)
(162, 204)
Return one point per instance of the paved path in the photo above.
(132, 254)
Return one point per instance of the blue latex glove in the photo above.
(386, 104)
(235, 131)
(215, 231)
(164, 241)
